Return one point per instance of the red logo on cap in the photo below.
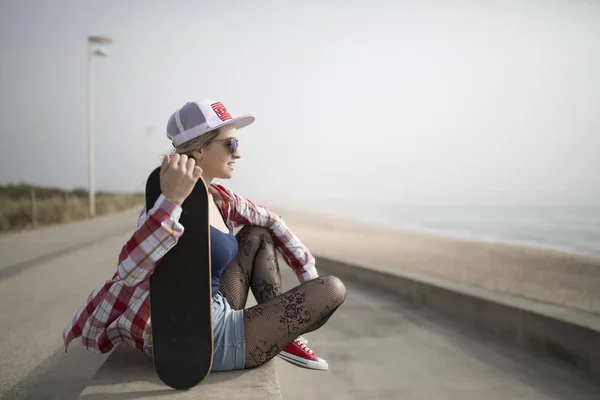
(221, 111)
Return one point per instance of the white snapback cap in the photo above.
(200, 116)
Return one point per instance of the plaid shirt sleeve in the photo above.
(242, 211)
(117, 310)
(155, 236)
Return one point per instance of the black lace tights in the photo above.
(278, 318)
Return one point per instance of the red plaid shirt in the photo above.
(119, 309)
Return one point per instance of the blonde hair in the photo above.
(197, 143)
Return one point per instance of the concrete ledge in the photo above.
(129, 374)
(567, 335)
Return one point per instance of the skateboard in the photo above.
(181, 295)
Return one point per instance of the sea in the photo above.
(567, 229)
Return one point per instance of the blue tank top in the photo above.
(223, 249)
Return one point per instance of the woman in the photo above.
(206, 146)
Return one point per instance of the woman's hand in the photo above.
(178, 176)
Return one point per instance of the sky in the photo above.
(373, 103)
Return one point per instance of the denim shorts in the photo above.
(228, 335)
(229, 350)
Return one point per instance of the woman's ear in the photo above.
(197, 154)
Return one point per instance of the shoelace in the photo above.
(304, 347)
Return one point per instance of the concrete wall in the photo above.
(569, 336)
(129, 374)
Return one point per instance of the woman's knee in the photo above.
(255, 234)
(335, 287)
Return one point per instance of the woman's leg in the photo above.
(278, 318)
(272, 325)
(255, 266)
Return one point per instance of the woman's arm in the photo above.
(158, 231)
(244, 212)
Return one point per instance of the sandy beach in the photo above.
(568, 280)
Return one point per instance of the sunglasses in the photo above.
(232, 143)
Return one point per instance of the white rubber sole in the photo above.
(320, 365)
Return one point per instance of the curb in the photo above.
(567, 335)
(129, 374)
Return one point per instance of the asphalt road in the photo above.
(377, 347)
(44, 277)
(380, 348)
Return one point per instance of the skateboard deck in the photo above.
(181, 295)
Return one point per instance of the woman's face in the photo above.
(217, 158)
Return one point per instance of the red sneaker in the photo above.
(299, 354)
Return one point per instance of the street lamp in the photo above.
(93, 50)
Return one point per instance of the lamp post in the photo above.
(93, 50)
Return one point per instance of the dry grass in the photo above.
(55, 206)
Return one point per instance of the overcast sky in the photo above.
(373, 102)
